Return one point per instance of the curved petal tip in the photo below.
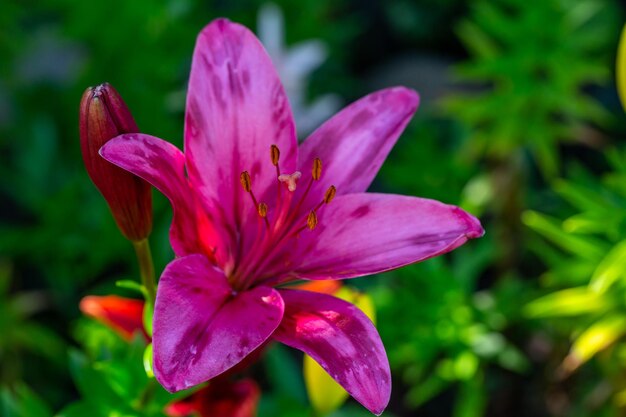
(411, 96)
(474, 228)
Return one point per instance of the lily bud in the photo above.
(123, 315)
(103, 116)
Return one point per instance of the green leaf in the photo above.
(476, 40)
(40, 339)
(425, 390)
(465, 365)
(568, 302)
(132, 285)
(81, 409)
(90, 383)
(472, 397)
(597, 337)
(612, 268)
(22, 402)
(512, 359)
(284, 373)
(586, 223)
(586, 247)
(147, 361)
(581, 197)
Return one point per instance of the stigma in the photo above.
(290, 180)
(284, 214)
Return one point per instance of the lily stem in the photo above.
(146, 268)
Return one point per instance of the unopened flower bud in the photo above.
(103, 116)
(124, 315)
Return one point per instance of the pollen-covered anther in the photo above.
(262, 209)
(330, 194)
(316, 171)
(274, 154)
(311, 220)
(246, 182)
(290, 180)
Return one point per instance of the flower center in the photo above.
(278, 224)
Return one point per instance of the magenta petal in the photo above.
(362, 234)
(163, 165)
(342, 340)
(236, 109)
(202, 327)
(355, 142)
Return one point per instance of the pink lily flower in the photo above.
(253, 211)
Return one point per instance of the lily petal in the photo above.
(363, 234)
(163, 165)
(201, 327)
(342, 340)
(236, 109)
(355, 142)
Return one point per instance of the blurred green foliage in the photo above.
(454, 332)
(528, 321)
(529, 63)
(111, 379)
(586, 254)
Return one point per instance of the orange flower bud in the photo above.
(124, 315)
(103, 116)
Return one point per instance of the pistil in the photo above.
(284, 224)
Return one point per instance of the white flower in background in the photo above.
(294, 66)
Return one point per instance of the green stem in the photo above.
(146, 268)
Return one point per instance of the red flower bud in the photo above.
(103, 116)
(221, 398)
(124, 315)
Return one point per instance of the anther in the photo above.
(316, 172)
(274, 154)
(311, 220)
(290, 180)
(330, 194)
(262, 209)
(246, 183)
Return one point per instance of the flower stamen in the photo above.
(245, 180)
(261, 208)
(330, 194)
(311, 220)
(316, 171)
(274, 154)
(287, 220)
(275, 157)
